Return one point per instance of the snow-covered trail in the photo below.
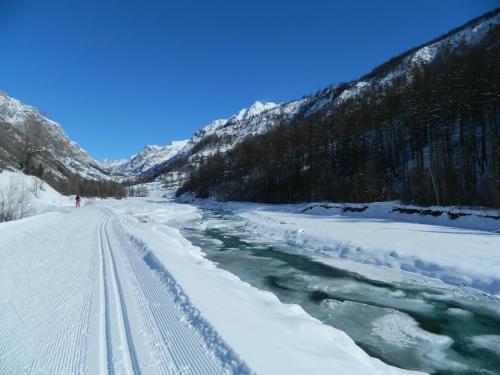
(78, 295)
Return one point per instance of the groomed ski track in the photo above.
(107, 305)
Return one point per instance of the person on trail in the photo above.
(77, 200)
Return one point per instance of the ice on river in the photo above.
(401, 330)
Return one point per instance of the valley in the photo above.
(355, 231)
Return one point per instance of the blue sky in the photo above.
(121, 74)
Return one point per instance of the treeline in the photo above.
(432, 137)
(75, 184)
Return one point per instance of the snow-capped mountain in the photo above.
(23, 127)
(256, 109)
(223, 134)
(146, 162)
(109, 164)
(247, 121)
(467, 35)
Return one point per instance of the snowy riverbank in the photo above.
(460, 247)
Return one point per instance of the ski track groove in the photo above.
(103, 330)
(127, 345)
(151, 328)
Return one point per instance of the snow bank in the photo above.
(457, 217)
(441, 243)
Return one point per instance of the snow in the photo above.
(254, 110)
(353, 91)
(454, 251)
(13, 111)
(115, 287)
(77, 295)
(110, 163)
(425, 55)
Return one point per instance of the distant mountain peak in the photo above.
(255, 109)
(146, 162)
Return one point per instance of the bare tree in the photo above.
(34, 141)
(15, 200)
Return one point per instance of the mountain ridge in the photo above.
(222, 135)
(145, 162)
(23, 128)
(423, 130)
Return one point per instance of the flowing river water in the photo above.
(413, 323)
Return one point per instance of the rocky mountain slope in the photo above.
(30, 141)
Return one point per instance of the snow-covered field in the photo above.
(461, 251)
(113, 288)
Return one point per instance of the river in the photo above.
(410, 322)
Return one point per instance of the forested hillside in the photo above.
(429, 136)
